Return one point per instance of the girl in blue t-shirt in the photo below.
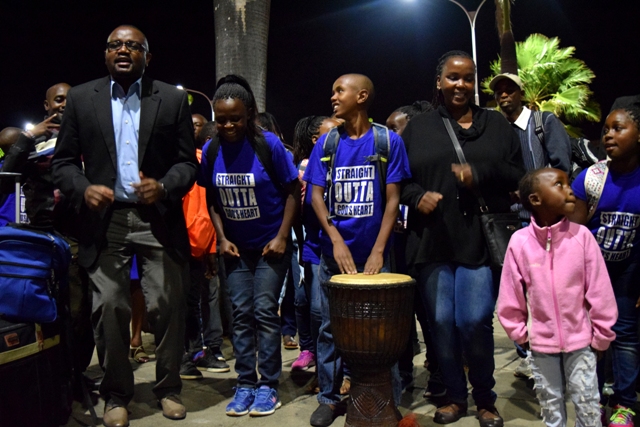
(608, 203)
(253, 215)
(306, 134)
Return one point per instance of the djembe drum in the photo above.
(371, 318)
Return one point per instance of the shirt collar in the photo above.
(523, 119)
(118, 92)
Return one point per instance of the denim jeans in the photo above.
(314, 298)
(254, 286)
(460, 301)
(204, 327)
(329, 363)
(575, 372)
(624, 349)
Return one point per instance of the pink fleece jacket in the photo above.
(569, 303)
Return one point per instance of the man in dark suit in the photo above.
(125, 157)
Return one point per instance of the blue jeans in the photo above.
(624, 349)
(460, 301)
(574, 371)
(254, 286)
(328, 360)
(314, 298)
(203, 310)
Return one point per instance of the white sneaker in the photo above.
(523, 370)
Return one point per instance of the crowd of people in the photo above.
(179, 226)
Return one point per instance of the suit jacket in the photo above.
(166, 152)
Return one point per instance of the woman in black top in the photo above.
(446, 249)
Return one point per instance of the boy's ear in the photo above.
(534, 199)
(363, 95)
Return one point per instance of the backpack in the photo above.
(582, 156)
(382, 143)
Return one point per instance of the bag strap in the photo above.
(594, 180)
(456, 144)
(329, 148)
(382, 143)
(539, 129)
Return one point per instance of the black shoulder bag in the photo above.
(497, 227)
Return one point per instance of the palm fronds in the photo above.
(553, 79)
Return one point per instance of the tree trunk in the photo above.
(242, 30)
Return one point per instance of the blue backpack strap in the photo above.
(329, 150)
(382, 142)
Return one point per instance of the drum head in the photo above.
(382, 279)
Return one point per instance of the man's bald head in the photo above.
(198, 122)
(8, 137)
(56, 99)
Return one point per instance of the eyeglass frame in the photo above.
(130, 45)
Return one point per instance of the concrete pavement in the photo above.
(206, 399)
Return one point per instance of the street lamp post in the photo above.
(199, 93)
(472, 15)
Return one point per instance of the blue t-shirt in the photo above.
(252, 207)
(616, 220)
(311, 247)
(356, 200)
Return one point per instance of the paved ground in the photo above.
(206, 399)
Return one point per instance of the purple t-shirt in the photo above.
(251, 206)
(356, 200)
(616, 220)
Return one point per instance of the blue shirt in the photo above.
(251, 205)
(125, 110)
(356, 199)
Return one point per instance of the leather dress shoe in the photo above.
(489, 417)
(115, 416)
(173, 408)
(450, 413)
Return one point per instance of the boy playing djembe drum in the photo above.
(360, 210)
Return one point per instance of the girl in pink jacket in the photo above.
(556, 299)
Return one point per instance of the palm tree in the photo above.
(553, 81)
(242, 29)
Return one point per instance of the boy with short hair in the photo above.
(356, 232)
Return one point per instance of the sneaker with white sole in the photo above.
(305, 360)
(523, 370)
(265, 403)
(241, 402)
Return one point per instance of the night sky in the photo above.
(311, 43)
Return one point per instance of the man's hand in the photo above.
(429, 202)
(374, 263)
(148, 190)
(211, 265)
(275, 248)
(342, 255)
(98, 197)
(45, 128)
(228, 249)
(463, 174)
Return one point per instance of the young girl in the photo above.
(306, 133)
(556, 299)
(609, 204)
(253, 215)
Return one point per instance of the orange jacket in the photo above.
(202, 234)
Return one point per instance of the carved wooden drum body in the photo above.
(371, 318)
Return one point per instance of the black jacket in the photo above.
(166, 152)
(452, 233)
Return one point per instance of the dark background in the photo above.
(311, 43)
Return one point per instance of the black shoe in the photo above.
(211, 363)
(324, 415)
(188, 369)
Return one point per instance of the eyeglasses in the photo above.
(129, 44)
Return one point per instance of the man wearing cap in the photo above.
(554, 149)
